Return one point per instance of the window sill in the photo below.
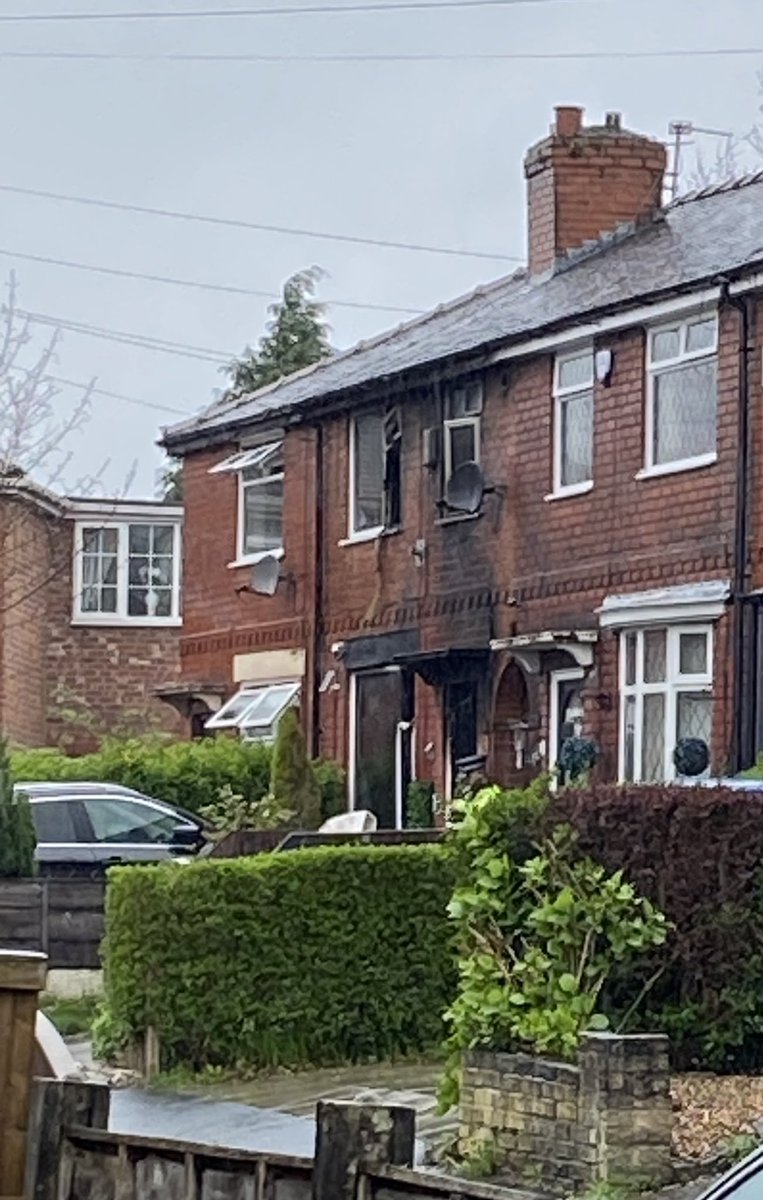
(457, 518)
(249, 560)
(368, 535)
(675, 468)
(574, 489)
(101, 622)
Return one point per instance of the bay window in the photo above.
(666, 677)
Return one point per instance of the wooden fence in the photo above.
(63, 918)
(360, 1151)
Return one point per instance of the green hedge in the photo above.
(189, 774)
(315, 956)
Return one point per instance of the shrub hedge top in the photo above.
(315, 956)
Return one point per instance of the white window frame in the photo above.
(122, 616)
(655, 369)
(564, 675)
(671, 687)
(472, 420)
(373, 531)
(258, 691)
(561, 396)
(237, 463)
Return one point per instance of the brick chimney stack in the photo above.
(583, 181)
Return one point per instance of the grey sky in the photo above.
(420, 152)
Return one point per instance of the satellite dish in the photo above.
(465, 489)
(265, 575)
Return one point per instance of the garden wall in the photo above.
(608, 1116)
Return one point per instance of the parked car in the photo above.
(87, 827)
(742, 1182)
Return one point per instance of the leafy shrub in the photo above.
(231, 812)
(540, 930)
(419, 805)
(696, 853)
(17, 836)
(188, 774)
(292, 781)
(318, 956)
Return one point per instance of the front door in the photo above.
(565, 710)
(381, 743)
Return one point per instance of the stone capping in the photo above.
(607, 1116)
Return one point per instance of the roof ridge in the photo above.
(483, 289)
(733, 184)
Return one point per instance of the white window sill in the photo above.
(109, 622)
(573, 489)
(456, 518)
(249, 560)
(674, 468)
(369, 535)
(362, 535)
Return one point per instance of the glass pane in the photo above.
(653, 738)
(457, 402)
(665, 344)
(630, 658)
(462, 445)
(378, 708)
(576, 372)
(263, 514)
(473, 403)
(89, 601)
(368, 470)
(161, 571)
(109, 540)
(140, 539)
(577, 439)
(137, 602)
(109, 600)
(138, 570)
(163, 537)
(654, 655)
(629, 733)
(117, 820)
(91, 540)
(243, 702)
(701, 335)
(685, 411)
(54, 820)
(693, 654)
(160, 602)
(694, 716)
(271, 704)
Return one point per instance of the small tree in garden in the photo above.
(540, 929)
(17, 836)
(293, 784)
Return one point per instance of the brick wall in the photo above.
(606, 1117)
(63, 684)
(525, 564)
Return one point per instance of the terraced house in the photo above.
(536, 510)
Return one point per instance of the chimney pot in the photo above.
(612, 121)
(569, 120)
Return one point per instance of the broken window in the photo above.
(375, 478)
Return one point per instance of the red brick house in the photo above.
(89, 615)
(599, 568)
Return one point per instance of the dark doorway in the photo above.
(382, 743)
(461, 705)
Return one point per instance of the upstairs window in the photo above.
(375, 483)
(260, 500)
(127, 572)
(682, 394)
(461, 429)
(573, 422)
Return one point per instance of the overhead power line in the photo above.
(190, 283)
(118, 396)
(236, 223)
(217, 14)
(124, 337)
(498, 56)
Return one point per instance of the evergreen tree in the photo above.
(296, 337)
(171, 482)
(293, 784)
(17, 835)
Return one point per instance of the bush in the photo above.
(293, 785)
(188, 774)
(697, 853)
(17, 835)
(316, 956)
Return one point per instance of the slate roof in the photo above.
(715, 231)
